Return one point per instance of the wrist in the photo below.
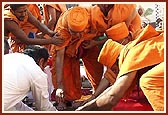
(51, 33)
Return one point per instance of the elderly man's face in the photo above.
(76, 34)
(21, 12)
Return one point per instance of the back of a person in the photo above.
(124, 12)
(17, 78)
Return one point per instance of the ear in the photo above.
(41, 63)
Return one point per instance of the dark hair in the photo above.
(16, 6)
(36, 52)
(6, 46)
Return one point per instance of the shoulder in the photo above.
(9, 17)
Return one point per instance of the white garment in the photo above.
(21, 75)
(47, 70)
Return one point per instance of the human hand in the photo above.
(57, 40)
(59, 95)
(51, 33)
(89, 44)
(88, 100)
(83, 107)
(88, 106)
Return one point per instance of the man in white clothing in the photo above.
(24, 73)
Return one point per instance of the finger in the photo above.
(57, 33)
(58, 99)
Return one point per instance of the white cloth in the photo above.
(21, 75)
(47, 70)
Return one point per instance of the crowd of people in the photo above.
(65, 36)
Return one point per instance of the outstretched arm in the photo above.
(42, 27)
(21, 36)
(111, 96)
(104, 83)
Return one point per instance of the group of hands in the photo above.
(78, 106)
(58, 40)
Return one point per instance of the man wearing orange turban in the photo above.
(121, 38)
(74, 26)
(143, 57)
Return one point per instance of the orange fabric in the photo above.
(24, 25)
(118, 31)
(9, 16)
(71, 79)
(34, 9)
(152, 84)
(145, 51)
(135, 24)
(148, 44)
(72, 44)
(97, 19)
(59, 7)
(72, 49)
(122, 12)
(28, 27)
(77, 19)
(136, 33)
(109, 53)
(94, 70)
(64, 33)
(110, 76)
(15, 46)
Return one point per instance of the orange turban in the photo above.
(109, 53)
(77, 19)
(118, 31)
